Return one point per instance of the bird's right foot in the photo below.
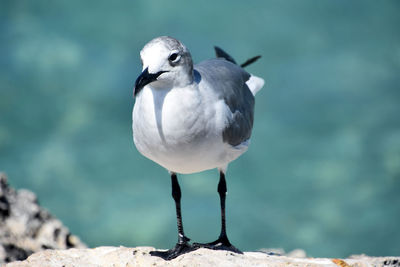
(179, 249)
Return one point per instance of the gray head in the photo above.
(166, 63)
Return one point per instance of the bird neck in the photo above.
(179, 80)
(184, 80)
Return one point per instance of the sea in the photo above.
(322, 172)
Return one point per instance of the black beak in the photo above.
(144, 79)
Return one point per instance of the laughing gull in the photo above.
(192, 118)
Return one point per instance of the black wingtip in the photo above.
(222, 54)
(250, 61)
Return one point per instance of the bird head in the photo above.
(166, 63)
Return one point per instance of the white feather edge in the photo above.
(255, 84)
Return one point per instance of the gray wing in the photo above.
(228, 81)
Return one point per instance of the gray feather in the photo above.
(229, 83)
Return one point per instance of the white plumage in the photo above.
(178, 120)
(192, 118)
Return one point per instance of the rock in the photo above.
(31, 236)
(139, 256)
(26, 228)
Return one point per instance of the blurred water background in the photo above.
(322, 172)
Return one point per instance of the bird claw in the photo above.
(179, 249)
(221, 243)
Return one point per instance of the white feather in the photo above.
(255, 84)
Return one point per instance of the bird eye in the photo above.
(174, 57)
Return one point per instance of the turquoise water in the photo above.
(322, 172)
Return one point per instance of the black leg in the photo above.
(222, 243)
(182, 246)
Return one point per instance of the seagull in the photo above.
(190, 118)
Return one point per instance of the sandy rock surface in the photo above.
(139, 256)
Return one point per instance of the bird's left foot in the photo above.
(222, 243)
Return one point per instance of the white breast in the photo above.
(181, 130)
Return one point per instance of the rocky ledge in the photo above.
(139, 256)
(25, 227)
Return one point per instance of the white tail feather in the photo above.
(255, 84)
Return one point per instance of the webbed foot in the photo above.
(179, 249)
(222, 243)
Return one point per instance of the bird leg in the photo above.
(182, 246)
(222, 243)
